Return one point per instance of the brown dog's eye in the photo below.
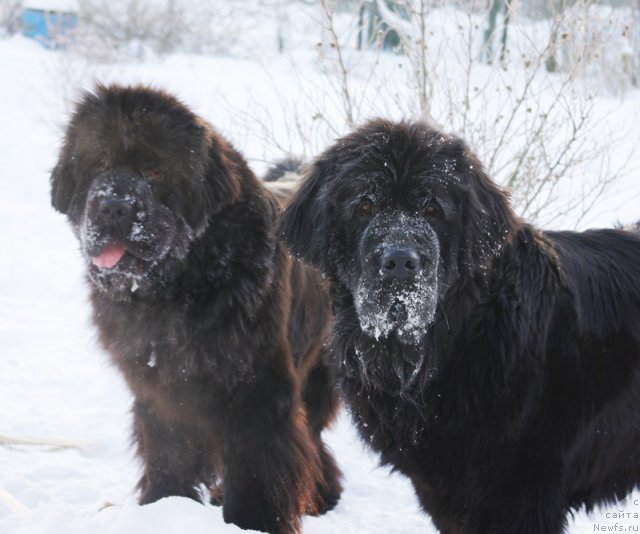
(366, 208)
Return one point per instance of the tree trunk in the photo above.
(487, 46)
(507, 19)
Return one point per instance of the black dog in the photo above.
(495, 365)
(217, 332)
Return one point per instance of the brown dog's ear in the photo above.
(62, 183)
(220, 184)
(226, 166)
(303, 224)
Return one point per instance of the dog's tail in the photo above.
(283, 177)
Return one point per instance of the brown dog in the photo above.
(217, 332)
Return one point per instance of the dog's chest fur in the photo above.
(190, 350)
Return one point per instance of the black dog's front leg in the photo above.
(542, 516)
(527, 500)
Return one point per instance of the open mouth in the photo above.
(117, 269)
(110, 256)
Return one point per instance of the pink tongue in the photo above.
(110, 256)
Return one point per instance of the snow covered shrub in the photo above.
(10, 17)
(138, 29)
(596, 42)
(540, 134)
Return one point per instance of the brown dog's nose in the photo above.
(115, 208)
(400, 264)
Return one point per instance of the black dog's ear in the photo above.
(62, 183)
(489, 219)
(304, 222)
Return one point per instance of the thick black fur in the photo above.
(218, 333)
(516, 399)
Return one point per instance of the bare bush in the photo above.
(633, 62)
(134, 29)
(10, 17)
(538, 133)
(595, 40)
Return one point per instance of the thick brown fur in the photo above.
(218, 333)
(495, 365)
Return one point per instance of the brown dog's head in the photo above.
(397, 213)
(139, 177)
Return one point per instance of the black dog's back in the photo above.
(283, 178)
(283, 167)
(602, 270)
(634, 227)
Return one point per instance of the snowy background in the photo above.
(56, 383)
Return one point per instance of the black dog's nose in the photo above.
(115, 208)
(401, 264)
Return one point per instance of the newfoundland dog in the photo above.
(495, 365)
(218, 333)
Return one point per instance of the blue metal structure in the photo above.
(48, 26)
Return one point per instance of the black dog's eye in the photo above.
(431, 209)
(366, 208)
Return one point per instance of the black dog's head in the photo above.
(397, 213)
(139, 177)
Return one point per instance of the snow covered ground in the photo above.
(56, 383)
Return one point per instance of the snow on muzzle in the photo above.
(397, 291)
(122, 218)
